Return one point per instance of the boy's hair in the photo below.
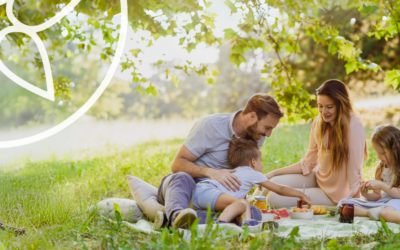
(388, 137)
(241, 151)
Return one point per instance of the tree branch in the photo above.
(17, 231)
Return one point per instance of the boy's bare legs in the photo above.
(232, 208)
(359, 211)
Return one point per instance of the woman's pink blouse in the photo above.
(337, 185)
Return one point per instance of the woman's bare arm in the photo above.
(292, 169)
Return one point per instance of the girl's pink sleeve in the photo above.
(357, 137)
(310, 161)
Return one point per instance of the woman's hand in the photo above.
(307, 200)
(270, 175)
(374, 184)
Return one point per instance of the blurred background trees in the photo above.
(287, 48)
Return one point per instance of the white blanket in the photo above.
(321, 226)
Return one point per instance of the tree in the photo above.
(324, 23)
(357, 41)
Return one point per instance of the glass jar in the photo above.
(261, 202)
(347, 211)
(300, 202)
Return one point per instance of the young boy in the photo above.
(244, 156)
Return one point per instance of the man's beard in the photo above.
(251, 132)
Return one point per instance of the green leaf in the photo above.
(139, 89)
(215, 72)
(347, 50)
(332, 243)
(181, 40)
(190, 46)
(158, 62)
(94, 22)
(385, 227)
(210, 81)
(117, 212)
(152, 90)
(392, 78)
(351, 66)
(207, 4)
(231, 6)
(230, 34)
(175, 80)
(294, 232)
(332, 48)
(135, 52)
(150, 43)
(237, 59)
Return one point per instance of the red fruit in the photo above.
(264, 211)
(277, 217)
(275, 212)
(283, 213)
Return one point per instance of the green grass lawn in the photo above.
(50, 198)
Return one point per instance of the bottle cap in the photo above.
(260, 198)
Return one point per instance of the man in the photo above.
(204, 154)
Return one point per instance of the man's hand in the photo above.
(226, 178)
(374, 184)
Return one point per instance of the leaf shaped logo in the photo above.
(96, 94)
(32, 32)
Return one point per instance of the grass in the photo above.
(49, 198)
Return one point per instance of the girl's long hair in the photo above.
(339, 142)
(388, 137)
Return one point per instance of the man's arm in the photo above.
(184, 161)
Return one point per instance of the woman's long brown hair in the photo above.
(339, 142)
(388, 138)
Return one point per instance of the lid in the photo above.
(347, 201)
(260, 198)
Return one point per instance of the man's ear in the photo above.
(253, 115)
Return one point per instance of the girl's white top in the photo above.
(388, 176)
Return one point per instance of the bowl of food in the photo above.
(301, 213)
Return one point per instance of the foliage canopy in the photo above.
(356, 41)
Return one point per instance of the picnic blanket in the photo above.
(321, 226)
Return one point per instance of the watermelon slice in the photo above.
(282, 213)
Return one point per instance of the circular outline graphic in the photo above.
(92, 99)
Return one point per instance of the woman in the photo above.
(332, 167)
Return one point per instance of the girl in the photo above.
(384, 201)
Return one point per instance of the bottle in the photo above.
(300, 202)
(261, 202)
(347, 211)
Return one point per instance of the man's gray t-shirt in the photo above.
(209, 141)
